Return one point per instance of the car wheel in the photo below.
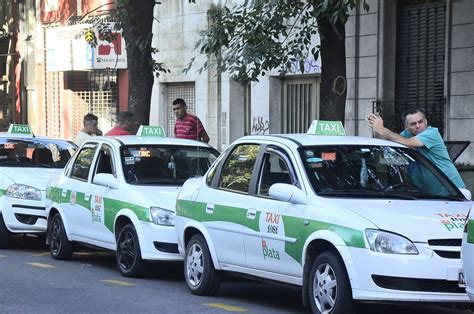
(5, 235)
(329, 288)
(128, 254)
(59, 246)
(199, 272)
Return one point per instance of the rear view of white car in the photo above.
(467, 255)
(27, 163)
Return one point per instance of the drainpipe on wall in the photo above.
(356, 70)
(219, 104)
(16, 64)
(447, 67)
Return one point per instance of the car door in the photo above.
(225, 215)
(102, 217)
(75, 188)
(273, 246)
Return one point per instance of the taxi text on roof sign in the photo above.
(149, 130)
(20, 129)
(320, 127)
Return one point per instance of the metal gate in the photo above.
(185, 91)
(420, 59)
(53, 103)
(95, 92)
(300, 104)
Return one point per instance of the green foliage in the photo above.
(238, 169)
(261, 35)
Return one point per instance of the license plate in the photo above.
(461, 281)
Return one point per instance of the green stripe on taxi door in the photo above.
(470, 235)
(293, 225)
(112, 206)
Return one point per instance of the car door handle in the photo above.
(63, 193)
(209, 208)
(87, 197)
(251, 213)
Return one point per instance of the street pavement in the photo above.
(32, 282)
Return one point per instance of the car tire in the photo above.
(59, 246)
(200, 275)
(328, 285)
(5, 235)
(128, 253)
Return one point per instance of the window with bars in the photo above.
(53, 82)
(185, 91)
(4, 107)
(300, 104)
(95, 92)
(420, 59)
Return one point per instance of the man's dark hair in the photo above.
(179, 101)
(90, 117)
(411, 111)
(124, 116)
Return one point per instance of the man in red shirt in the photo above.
(125, 124)
(188, 126)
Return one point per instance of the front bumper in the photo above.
(158, 242)
(425, 277)
(24, 216)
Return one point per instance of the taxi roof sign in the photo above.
(23, 129)
(321, 127)
(150, 130)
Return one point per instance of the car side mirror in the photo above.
(466, 193)
(106, 179)
(287, 193)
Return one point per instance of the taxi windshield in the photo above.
(165, 164)
(375, 172)
(35, 152)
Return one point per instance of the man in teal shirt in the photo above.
(426, 139)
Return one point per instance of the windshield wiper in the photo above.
(366, 193)
(157, 181)
(441, 197)
(16, 163)
(34, 164)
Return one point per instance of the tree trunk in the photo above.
(137, 34)
(333, 71)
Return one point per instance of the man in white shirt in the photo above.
(90, 129)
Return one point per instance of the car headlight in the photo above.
(23, 191)
(161, 216)
(386, 242)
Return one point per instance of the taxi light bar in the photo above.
(321, 127)
(20, 129)
(150, 130)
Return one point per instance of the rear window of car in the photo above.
(35, 152)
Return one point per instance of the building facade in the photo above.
(409, 53)
(399, 54)
(50, 77)
(229, 109)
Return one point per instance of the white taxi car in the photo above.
(27, 163)
(119, 193)
(347, 218)
(467, 255)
